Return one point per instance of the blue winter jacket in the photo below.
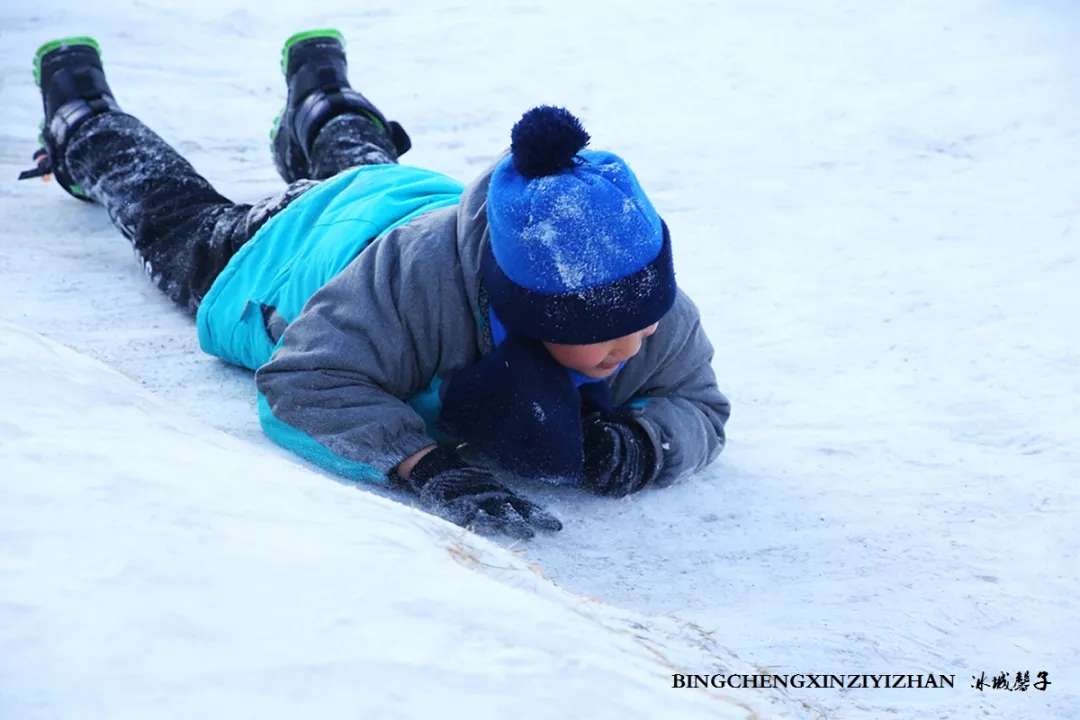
(298, 250)
(360, 298)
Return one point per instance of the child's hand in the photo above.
(619, 456)
(469, 496)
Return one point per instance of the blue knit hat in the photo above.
(578, 254)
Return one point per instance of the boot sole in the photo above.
(56, 45)
(307, 35)
(77, 40)
(293, 40)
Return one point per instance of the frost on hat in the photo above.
(578, 254)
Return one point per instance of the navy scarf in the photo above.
(522, 409)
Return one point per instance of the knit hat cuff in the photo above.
(589, 315)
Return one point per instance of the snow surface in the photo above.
(155, 568)
(875, 206)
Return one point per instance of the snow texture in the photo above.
(875, 207)
(157, 568)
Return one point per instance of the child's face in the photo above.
(600, 359)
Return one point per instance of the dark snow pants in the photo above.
(183, 230)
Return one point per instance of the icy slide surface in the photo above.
(155, 568)
(875, 206)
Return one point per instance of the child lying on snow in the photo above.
(529, 321)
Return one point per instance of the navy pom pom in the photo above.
(546, 140)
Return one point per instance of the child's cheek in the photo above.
(579, 357)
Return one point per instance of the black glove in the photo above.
(469, 496)
(619, 455)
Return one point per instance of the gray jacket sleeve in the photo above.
(685, 412)
(375, 335)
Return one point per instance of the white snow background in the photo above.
(875, 205)
(157, 568)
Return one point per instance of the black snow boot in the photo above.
(315, 70)
(73, 88)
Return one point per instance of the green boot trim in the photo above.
(57, 44)
(277, 124)
(305, 35)
(378, 123)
